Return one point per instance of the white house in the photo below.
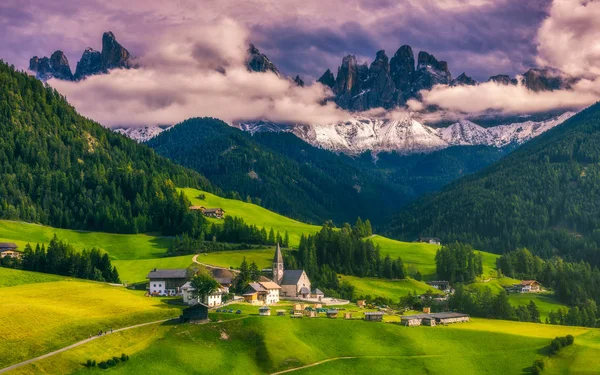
(212, 300)
(166, 282)
(262, 293)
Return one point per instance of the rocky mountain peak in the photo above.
(57, 66)
(546, 80)
(327, 79)
(89, 64)
(299, 81)
(402, 70)
(503, 79)
(464, 80)
(258, 62)
(347, 77)
(114, 55)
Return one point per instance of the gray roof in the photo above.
(179, 273)
(374, 313)
(256, 287)
(441, 315)
(213, 210)
(291, 277)
(8, 245)
(318, 291)
(223, 280)
(304, 290)
(278, 258)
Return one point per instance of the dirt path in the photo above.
(195, 260)
(17, 365)
(311, 365)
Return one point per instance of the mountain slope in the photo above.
(543, 196)
(61, 169)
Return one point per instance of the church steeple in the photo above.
(278, 265)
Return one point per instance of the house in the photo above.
(264, 311)
(167, 282)
(294, 283)
(361, 303)
(444, 286)
(195, 314)
(223, 277)
(217, 213)
(430, 240)
(263, 293)
(434, 319)
(9, 249)
(376, 316)
(529, 286)
(318, 294)
(333, 313)
(215, 299)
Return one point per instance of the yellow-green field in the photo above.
(10, 277)
(40, 317)
(422, 256)
(253, 214)
(118, 246)
(392, 289)
(263, 345)
(545, 302)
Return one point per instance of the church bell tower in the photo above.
(278, 266)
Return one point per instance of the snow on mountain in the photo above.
(141, 133)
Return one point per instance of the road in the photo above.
(310, 365)
(195, 260)
(17, 365)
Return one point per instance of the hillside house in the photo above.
(195, 314)
(223, 277)
(217, 213)
(294, 283)
(166, 282)
(376, 316)
(264, 311)
(434, 319)
(430, 240)
(215, 299)
(10, 249)
(444, 286)
(262, 293)
(529, 286)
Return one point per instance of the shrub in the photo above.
(539, 363)
(124, 357)
(111, 363)
(570, 339)
(103, 365)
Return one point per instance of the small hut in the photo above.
(195, 314)
(427, 310)
(361, 303)
(280, 312)
(332, 313)
(264, 311)
(298, 307)
(347, 315)
(376, 316)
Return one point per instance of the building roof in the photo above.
(291, 277)
(374, 313)
(256, 287)
(278, 258)
(528, 282)
(179, 273)
(8, 245)
(304, 290)
(441, 315)
(222, 273)
(318, 292)
(439, 282)
(264, 308)
(213, 210)
(426, 239)
(196, 207)
(269, 285)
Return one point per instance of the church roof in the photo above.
(291, 277)
(278, 258)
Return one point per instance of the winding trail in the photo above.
(311, 365)
(195, 260)
(82, 342)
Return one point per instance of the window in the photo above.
(155, 285)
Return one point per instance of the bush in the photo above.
(111, 363)
(90, 363)
(124, 357)
(539, 363)
(103, 365)
(570, 339)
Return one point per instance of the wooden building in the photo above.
(434, 319)
(376, 316)
(195, 314)
(264, 311)
(10, 249)
(332, 313)
(217, 213)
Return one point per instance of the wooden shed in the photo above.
(332, 313)
(195, 314)
(376, 316)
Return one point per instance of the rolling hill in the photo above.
(544, 196)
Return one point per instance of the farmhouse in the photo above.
(215, 299)
(223, 277)
(430, 240)
(167, 282)
(444, 286)
(530, 286)
(195, 314)
(294, 283)
(262, 293)
(9, 249)
(376, 316)
(217, 213)
(434, 319)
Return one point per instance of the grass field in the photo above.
(253, 214)
(41, 317)
(118, 246)
(10, 277)
(263, 345)
(135, 270)
(422, 256)
(392, 289)
(545, 302)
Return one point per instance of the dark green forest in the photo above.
(61, 169)
(544, 196)
(283, 173)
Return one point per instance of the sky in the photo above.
(479, 37)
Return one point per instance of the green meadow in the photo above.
(392, 289)
(10, 277)
(264, 345)
(545, 302)
(40, 316)
(253, 214)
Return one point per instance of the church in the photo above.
(293, 283)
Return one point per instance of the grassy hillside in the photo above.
(545, 302)
(265, 345)
(10, 277)
(253, 214)
(41, 317)
(422, 256)
(392, 289)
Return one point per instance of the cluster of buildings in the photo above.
(217, 213)
(525, 286)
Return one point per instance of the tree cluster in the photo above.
(457, 262)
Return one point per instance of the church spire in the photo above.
(278, 266)
(278, 258)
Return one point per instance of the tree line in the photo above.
(458, 262)
(60, 258)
